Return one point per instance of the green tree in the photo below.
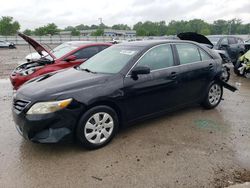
(51, 29)
(219, 27)
(121, 27)
(69, 28)
(75, 32)
(28, 32)
(40, 31)
(82, 27)
(8, 26)
(98, 32)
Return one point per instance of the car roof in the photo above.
(148, 43)
(82, 43)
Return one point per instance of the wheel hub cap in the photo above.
(99, 128)
(214, 94)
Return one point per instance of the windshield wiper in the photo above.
(87, 70)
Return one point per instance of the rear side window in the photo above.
(86, 53)
(204, 55)
(158, 57)
(188, 53)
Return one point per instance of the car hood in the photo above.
(53, 85)
(196, 38)
(37, 46)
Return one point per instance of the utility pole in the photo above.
(100, 19)
(230, 28)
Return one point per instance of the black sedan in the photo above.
(120, 85)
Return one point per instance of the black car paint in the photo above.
(133, 100)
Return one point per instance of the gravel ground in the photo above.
(189, 148)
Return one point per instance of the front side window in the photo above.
(157, 58)
(86, 53)
(240, 41)
(224, 41)
(188, 53)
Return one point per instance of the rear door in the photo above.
(197, 66)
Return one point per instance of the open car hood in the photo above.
(37, 46)
(196, 38)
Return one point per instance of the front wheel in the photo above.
(97, 127)
(213, 96)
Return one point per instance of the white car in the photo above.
(5, 44)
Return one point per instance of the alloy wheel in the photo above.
(214, 94)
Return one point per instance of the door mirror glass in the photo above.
(70, 58)
(139, 70)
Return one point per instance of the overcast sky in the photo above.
(35, 13)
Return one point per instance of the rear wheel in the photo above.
(97, 127)
(213, 96)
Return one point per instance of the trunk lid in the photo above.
(196, 38)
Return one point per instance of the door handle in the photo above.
(210, 66)
(173, 75)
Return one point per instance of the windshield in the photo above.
(62, 49)
(214, 40)
(110, 60)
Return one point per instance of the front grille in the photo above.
(19, 105)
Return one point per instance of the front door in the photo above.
(156, 91)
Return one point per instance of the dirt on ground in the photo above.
(190, 148)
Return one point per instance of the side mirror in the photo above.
(70, 58)
(139, 70)
(224, 45)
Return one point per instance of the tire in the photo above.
(225, 76)
(11, 47)
(92, 132)
(213, 96)
(236, 67)
(247, 74)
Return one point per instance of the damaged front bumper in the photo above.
(48, 128)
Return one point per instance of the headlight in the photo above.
(48, 107)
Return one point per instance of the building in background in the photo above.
(107, 32)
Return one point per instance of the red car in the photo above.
(66, 55)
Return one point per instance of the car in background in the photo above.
(6, 44)
(234, 46)
(123, 84)
(247, 44)
(67, 55)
